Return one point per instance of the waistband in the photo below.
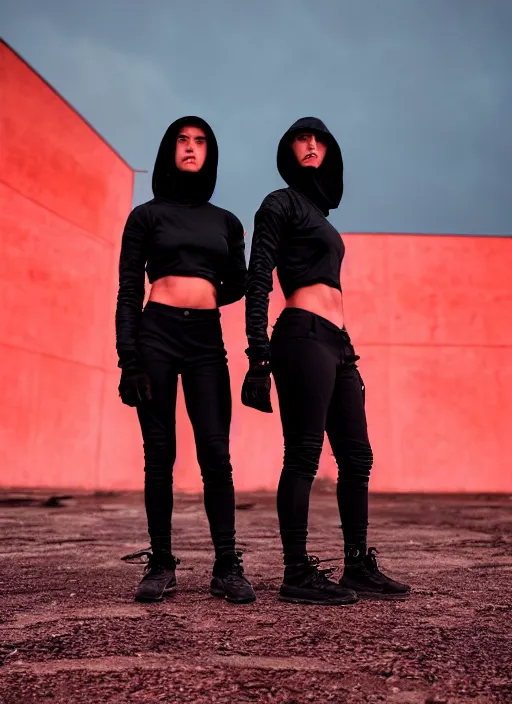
(297, 320)
(182, 313)
(317, 321)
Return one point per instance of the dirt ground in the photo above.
(71, 632)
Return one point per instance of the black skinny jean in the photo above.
(319, 389)
(189, 342)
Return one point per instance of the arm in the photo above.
(235, 277)
(269, 223)
(130, 297)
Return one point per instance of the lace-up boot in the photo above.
(304, 583)
(159, 578)
(362, 574)
(229, 582)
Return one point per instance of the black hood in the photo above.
(183, 186)
(322, 185)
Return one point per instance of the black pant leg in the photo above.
(348, 435)
(158, 424)
(304, 371)
(206, 387)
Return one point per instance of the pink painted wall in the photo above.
(430, 317)
(64, 195)
(431, 320)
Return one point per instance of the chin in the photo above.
(189, 167)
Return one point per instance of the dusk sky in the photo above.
(417, 92)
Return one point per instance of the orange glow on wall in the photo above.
(64, 196)
(429, 315)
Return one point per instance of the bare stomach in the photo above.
(320, 299)
(184, 292)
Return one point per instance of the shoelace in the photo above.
(372, 552)
(236, 563)
(314, 561)
(235, 569)
(137, 558)
(146, 557)
(372, 568)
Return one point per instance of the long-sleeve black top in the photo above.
(166, 238)
(292, 234)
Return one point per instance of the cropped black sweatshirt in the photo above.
(178, 233)
(292, 233)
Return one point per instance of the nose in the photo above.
(312, 142)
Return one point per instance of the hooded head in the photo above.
(185, 186)
(323, 184)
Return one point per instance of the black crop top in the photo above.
(292, 234)
(167, 239)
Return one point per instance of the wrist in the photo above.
(259, 354)
(128, 359)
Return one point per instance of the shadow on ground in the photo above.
(71, 632)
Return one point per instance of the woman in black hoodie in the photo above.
(193, 253)
(314, 366)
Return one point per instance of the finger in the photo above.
(127, 400)
(262, 401)
(247, 400)
(263, 395)
(265, 403)
(253, 401)
(267, 406)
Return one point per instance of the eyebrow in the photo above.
(186, 136)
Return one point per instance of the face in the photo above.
(309, 149)
(190, 149)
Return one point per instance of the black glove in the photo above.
(256, 387)
(134, 386)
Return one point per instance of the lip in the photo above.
(308, 157)
(189, 158)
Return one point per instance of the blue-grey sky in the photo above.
(417, 92)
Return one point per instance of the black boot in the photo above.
(362, 574)
(304, 583)
(159, 578)
(229, 582)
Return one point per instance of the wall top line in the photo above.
(64, 100)
(427, 234)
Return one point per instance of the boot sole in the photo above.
(221, 595)
(168, 591)
(314, 602)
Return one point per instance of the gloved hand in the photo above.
(134, 386)
(256, 387)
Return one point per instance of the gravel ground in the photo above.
(71, 632)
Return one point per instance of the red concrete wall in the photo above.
(64, 195)
(430, 317)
